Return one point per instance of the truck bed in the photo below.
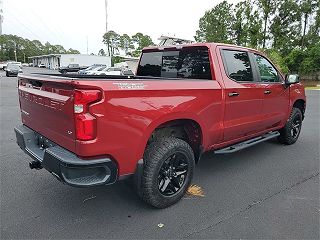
(102, 77)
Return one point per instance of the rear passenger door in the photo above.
(243, 95)
(276, 94)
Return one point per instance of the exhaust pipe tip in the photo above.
(35, 165)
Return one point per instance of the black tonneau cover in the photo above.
(105, 77)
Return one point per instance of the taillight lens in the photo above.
(85, 123)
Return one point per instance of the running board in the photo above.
(248, 143)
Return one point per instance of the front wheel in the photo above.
(167, 172)
(291, 131)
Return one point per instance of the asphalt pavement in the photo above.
(267, 191)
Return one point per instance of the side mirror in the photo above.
(292, 79)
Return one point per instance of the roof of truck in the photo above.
(206, 44)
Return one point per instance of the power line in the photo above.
(50, 30)
(25, 26)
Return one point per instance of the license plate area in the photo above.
(42, 142)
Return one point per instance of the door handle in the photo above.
(233, 94)
(267, 91)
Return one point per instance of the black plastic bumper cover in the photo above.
(63, 164)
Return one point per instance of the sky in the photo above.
(71, 23)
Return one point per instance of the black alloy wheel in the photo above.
(172, 174)
(296, 126)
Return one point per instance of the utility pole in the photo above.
(15, 52)
(87, 45)
(1, 16)
(106, 9)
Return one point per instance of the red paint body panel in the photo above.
(130, 110)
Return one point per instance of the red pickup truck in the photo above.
(154, 126)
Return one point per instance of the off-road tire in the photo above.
(154, 157)
(286, 136)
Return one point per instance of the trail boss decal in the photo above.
(130, 85)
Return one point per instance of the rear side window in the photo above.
(267, 72)
(185, 63)
(237, 65)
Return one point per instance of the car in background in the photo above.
(13, 69)
(25, 65)
(5, 64)
(91, 68)
(41, 65)
(113, 71)
(95, 71)
(2, 65)
(71, 68)
(127, 72)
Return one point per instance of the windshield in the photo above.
(13, 66)
(184, 63)
(90, 68)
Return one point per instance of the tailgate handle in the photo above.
(36, 83)
(233, 94)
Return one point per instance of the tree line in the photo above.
(13, 47)
(288, 31)
(129, 45)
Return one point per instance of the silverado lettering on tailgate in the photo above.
(44, 101)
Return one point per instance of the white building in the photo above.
(54, 61)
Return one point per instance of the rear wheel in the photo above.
(291, 131)
(167, 172)
(7, 74)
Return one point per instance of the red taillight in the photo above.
(85, 123)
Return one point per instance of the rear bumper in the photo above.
(63, 164)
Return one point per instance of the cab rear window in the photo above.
(190, 63)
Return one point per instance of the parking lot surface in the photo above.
(267, 191)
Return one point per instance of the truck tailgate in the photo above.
(47, 108)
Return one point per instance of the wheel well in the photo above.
(185, 129)
(301, 104)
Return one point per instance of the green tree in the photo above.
(267, 8)
(313, 35)
(255, 34)
(216, 24)
(241, 22)
(13, 47)
(101, 52)
(72, 51)
(307, 7)
(140, 41)
(112, 40)
(294, 59)
(286, 26)
(126, 44)
(276, 57)
(311, 61)
(39, 47)
(59, 49)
